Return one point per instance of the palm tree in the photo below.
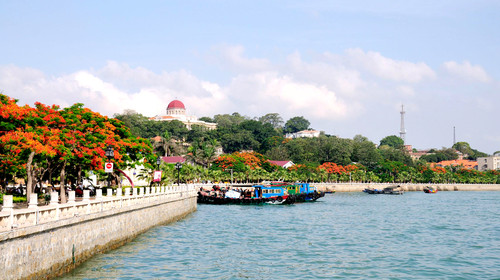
(166, 145)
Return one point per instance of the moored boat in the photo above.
(430, 190)
(387, 190)
(258, 194)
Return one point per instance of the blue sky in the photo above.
(346, 66)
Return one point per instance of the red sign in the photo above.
(108, 167)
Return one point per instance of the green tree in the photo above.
(274, 119)
(296, 124)
(227, 121)
(134, 121)
(392, 141)
(365, 152)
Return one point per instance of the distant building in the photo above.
(282, 163)
(488, 163)
(177, 111)
(415, 155)
(469, 164)
(303, 134)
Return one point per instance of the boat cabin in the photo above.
(267, 192)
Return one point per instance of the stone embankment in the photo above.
(358, 187)
(45, 241)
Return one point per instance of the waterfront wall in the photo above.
(358, 187)
(45, 241)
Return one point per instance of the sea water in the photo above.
(446, 235)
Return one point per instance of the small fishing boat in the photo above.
(387, 190)
(430, 190)
(257, 194)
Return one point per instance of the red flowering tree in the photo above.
(50, 139)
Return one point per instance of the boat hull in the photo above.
(204, 198)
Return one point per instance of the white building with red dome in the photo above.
(177, 111)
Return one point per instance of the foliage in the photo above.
(274, 119)
(296, 124)
(44, 141)
(392, 141)
(470, 153)
(441, 155)
(49, 143)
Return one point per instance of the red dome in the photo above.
(176, 104)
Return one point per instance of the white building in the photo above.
(303, 134)
(177, 111)
(488, 163)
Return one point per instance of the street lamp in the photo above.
(231, 175)
(158, 162)
(109, 154)
(178, 166)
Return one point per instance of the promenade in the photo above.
(49, 240)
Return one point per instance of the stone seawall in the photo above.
(359, 187)
(50, 249)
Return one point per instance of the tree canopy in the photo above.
(296, 124)
(392, 141)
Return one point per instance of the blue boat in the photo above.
(301, 192)
(257, 194)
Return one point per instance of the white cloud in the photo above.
(467, 71)
(390, 69)
(113, 89)
(270, 92)
(334, 75)
(356, 92)
(233, 58)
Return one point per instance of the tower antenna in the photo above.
(454, 139)
(402, 132)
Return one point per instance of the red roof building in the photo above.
(174, 159)
(282, 163)
(469, 164)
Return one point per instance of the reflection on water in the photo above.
(345, 235)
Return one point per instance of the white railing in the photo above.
(11, 218)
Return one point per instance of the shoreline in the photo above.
(359, 187)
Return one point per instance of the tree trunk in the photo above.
(79, 176)
(62, 189)
(29, 173)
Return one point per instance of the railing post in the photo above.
(54, 198)
(119, 196)
(86, 195)
(109, 192)
(54, 201)
(98, 194)
(141, 191)
(8, 207)
(98, 197)
(134, 191)
(71, 197)
(127, 192)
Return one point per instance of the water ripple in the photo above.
(447, 235)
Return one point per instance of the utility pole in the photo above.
(402, 132)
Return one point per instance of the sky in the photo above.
(346, 66)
